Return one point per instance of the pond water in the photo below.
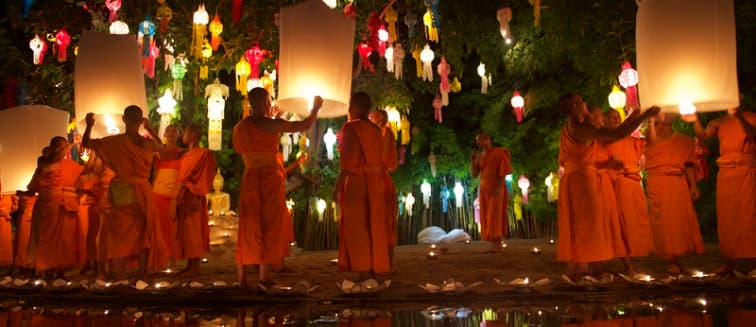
(720, 310)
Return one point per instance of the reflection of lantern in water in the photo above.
(524, 184)
(216, 94)
(199, 29)
(617, 100)
(459, 192)
(166, 108)
(687, 56)
(425, 188)
(329, 139)
(38, 46)
(306, 67)
(409, 201)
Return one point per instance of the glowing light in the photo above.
(329, 139)
(687, 108)
(119, 27)
(425, 188)
(409, 200)
(459, 191)
(320, 207)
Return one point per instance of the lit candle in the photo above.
(157, 286)
(226, 235)
(432, 255)
(433, 246)
(646, 278)
(204, 260)
(535, 250)
(168, 271)
(467, 241)
(107, 284)
(551, 241)
(334, 261)
(211, 223)
(503, 245)
(292, 244)
(210, 212)
(698, 274)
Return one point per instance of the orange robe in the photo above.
(608, 199)
(99, 212)
(584, 235)
(23, 232)
(741, 318)
(494, 165)
(133, 222)
(736, 189)
(673, 218)
(8, 204)
(362, 226)
(681, 318)
(165, 189)
(631, 199)
(196, 179)
(262, 237)
(390, 161)
(86, 204)
(55, 231)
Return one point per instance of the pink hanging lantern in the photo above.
(524, 184)
(518, 103)
(365, 50)
(38, 46)
(113, 7)
(443, 70)
(254, 56)
(62, 40)
(629, 79)
(149, 68)
(437, 105)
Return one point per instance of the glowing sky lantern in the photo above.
(38, 47)
(686, 54)
(524, 184)
(425, 188)
(329, 139)
(485, 80)
(216, 94)
(216, 28)
(459, 192)
(24, 131)
(427, 56)
(307, 67)
(113, 6)
(409, 201)
(166, 109)
(617, 100)
(62, 40)
(518, 105)
(199, 29)
(107, 92)
(119, 27)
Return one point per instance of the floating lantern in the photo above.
(216, 28)
(518, 103)
(307, 67)
(320, 206)
(443, 70)
(459, 192)
(145, 34)
(485, 80)
(617, 100)
(107, 93)
(427, 56)
(687, 56)
(164, 14)
(62, 40)
(119, 27)
(398, 61)
(199, 28)
(329, 139)
(113, 6)
(389, 56)
(425, 188)
(242, 74)
(409, 201)
(38, 46)
(390, 16)
(524, 184)
(504, 15)
(166, 108)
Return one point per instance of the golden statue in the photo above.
(219, 202)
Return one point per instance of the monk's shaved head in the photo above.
(132, 115)
(360, 105)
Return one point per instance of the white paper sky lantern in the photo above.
(24, 131)
(108, 78)
(316, 45)
(686, 54)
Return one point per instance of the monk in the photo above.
(360, 193)
(8, 204)
(583, 232)
(55, 230)
(671, 189)
(492, 165)
(133, 229)
(390, 161)
(99, 209)
(635, 225)
(26, 201)
(262, 236)
(165, 186)
(736, 182)
(195, 179)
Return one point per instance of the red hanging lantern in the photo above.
(365, 50)
(350, 10)
(255, 56)
(62, 40)
(518, 103)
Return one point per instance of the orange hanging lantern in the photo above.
(216, 28)
(164, 14)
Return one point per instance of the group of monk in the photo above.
(603, 210)
(107, 215)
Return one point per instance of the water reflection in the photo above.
(689, 312)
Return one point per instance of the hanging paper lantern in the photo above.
(237, 10)
(398, 61)
(518, 103)
(431, 32)
(418, 62)
(411, 21)
(405, 128)
(329, 139)
(168, 56)
(145, 34)
(216, 94)
(432, 163)
(62, 40)
(27, 8)
(389, 55)
(617, 101)
(433, 6)
(373, 25)
(286, 146)
(207, 52)
(307, 67)
(445, 199)
(320, 206)
(425, 188)
(38, 46)
(443, 70)
(536, 11)
(686, 54)
(254, 56)
(517, 207)
(485, 80)
(552, 187)
(508, 182)
(149, 68)
(383, 37)
(390, 16)
(459, 192)
(113, 6)
(364, 50)
(476, 210)
(242, 74)
(427, 56)
(166, 108)
(350, 10)
(216, 28)
(199, 28)
(628, 78)
(106, 92)
(524, 184)
(119, 27)
(164, 14)
(409, 201)
(178, 71)
(437, 107)
(394, 119)
(504, 15)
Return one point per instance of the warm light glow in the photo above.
(459, 192)
(687, 108)
(329, 139)
(617, 98)
(427, 54)
(201, 17)
(517, 100)
(320, 206)
(383, 34)
(119, 27)
(629, 76)
(409, 200)
(482, 70)
(425, 188)
(330, 3)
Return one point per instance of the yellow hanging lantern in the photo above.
(617, 100)
(207, 52)
(394, 119)
(216, 28)
(391, 16)
(431, 32)
(405, 128)
(199, 29)
(242, 74)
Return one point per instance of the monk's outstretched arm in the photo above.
(748, 128)
(651, 133)
(284, 126)
(702, 133)
(88, 131)
(587, 132)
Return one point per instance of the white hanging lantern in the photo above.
(485, 80)
(286, 146)
(330, 3)
(408, 202)
(459, 192)
(427, 56)
(686, 54)
(329, 139)
(119, 27)
(629, 76)
(308, 68)
(425, 188)
(320, 206)
(216, 94)
(617, 101)
(166, 108)
(389, 55)
(107, 92)
(38, 46)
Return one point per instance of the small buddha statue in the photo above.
(219, 202)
